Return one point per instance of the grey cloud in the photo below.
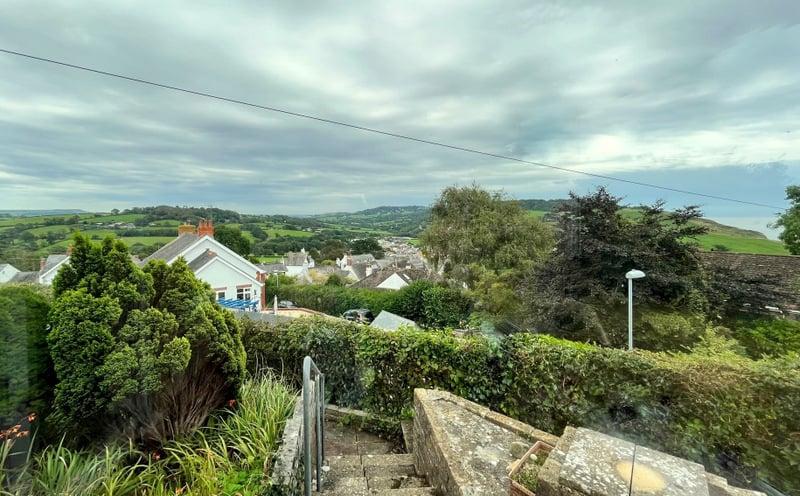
(612, 87)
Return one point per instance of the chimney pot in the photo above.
(42, 262)
(205, 228)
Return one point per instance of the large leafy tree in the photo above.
(147, 349)
(366, 245)
(487, 242)
(472, 226)
(579, 291)
(233, 238)
(789, 220)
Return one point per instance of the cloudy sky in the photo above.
(693, 95)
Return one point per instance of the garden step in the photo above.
(389, 470)
(356, 486)
(397, 482)
(339, 461)
(394, 459)
(410, 491)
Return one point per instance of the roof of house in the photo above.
(202, 259)
(4, 265)
(52, 261)
(173, 248)
(360, 270)
(26, 277)
(272, 267)
(296, 258)
(377, 277)
(391, 322)
(365, 257)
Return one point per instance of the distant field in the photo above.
(742, 245)
(269, 259)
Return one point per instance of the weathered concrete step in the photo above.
(347, 485)
(413, 491)
(397, 482)
(395, 459)
(389, 470)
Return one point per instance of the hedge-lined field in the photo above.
(736, 416)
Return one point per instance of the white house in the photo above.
(230, 275)
(297, 265)
(48, 268)
(390, 278)
(7, 272)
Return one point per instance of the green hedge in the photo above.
(424, 302)
(26, 371)
(768, 336)
(735, 415)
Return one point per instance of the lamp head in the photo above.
(634, 274)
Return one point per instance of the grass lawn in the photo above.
(742, 245)
(274, 233)
(269, 258)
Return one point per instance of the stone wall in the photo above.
(464, 448)
(287, 473)
(288, 469)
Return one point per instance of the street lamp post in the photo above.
(630, 276)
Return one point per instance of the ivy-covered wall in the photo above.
(736, 416)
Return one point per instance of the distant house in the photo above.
(231, 276)
(297, 265)
(48, 268)
(7, 272)
(390, 278)
(358, 266)
(391, 322)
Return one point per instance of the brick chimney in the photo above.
(205, 228)
(69, 250)
(186, 229)
(42, 262)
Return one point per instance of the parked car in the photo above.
(360, 315)
(286, 304)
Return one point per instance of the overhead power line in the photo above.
(384, 132)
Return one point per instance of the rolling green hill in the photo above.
(26, 237)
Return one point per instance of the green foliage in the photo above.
(768, 336)
(789, 220)
(230, 456)
(730, 413)
(444, 307)
(666, 330)
(597, 244)
(422, 301)
(135, 346)
(335, 280)
(233, 238)
(366, 245)
(470, 225)
(26, 371)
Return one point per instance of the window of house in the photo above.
(220, 294)
(243, 293)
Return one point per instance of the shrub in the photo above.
(26, 372)
(422, 301)
(733, 414)
(770, 337)
(230, 456)
(147, 349)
